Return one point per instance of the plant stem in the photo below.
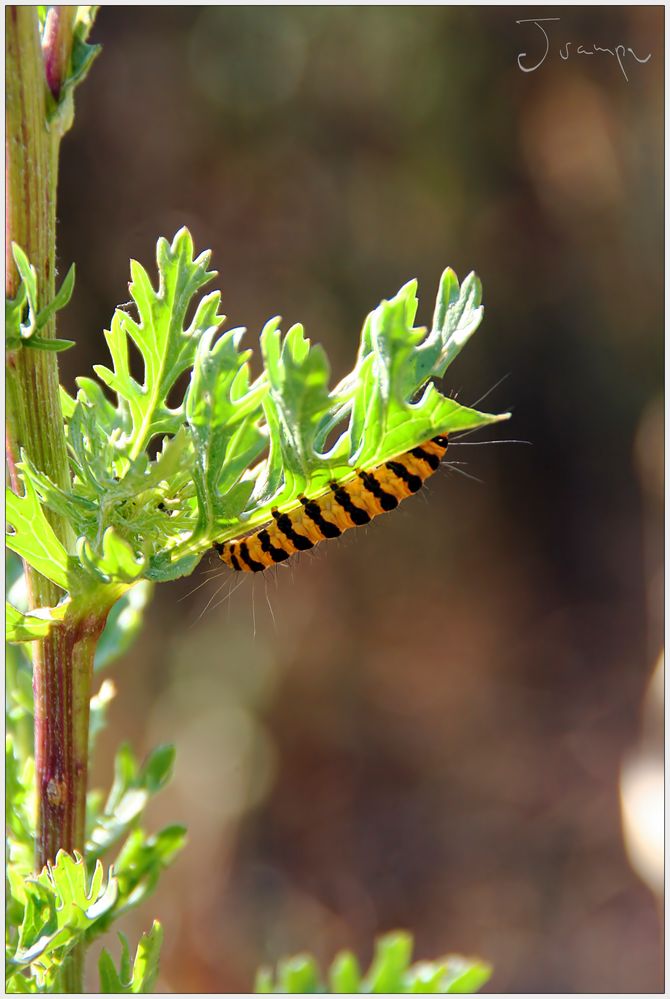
(34, 416)
(70, 980)
(62, 661)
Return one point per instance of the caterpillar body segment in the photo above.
(344, 506)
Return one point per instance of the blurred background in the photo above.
(430, 728)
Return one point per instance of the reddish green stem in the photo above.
(62, 661)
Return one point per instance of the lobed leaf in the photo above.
(391, 961)
(166, 348)
(18, 983)
(139, 866)
(27, 290)
(160, 472)
(386, 406)
(113, 561)
(26, 627)
(299, 974)
(22, 624)
(62, 904)
(223, 409)
(131, 790)
(33, 538)
(464, 976)
(23, 317)
(142, 977)
(345, 974)
(83, 53)
(391, 972)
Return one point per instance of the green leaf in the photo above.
(83, 54)
(159, 475)
(54, 345)
(299, 399)
(140, 864)
(264, 982)
(23, 333)
(148, 501)
(62, 906)
(299, 975)
(76, 511)
(386, 406)
(97, 577)
(465, 975)
(18, 983)
(130, 793)
(21, 624)
(345, 974)
(26, 627)
(389, 974)
(394, 406)
(94, 581)
(166, 348)
(114, 561)
(425, 978)
(393, 954)
(33, 538)
(28, 276)
(14, 309)
(223, 410)
(144, 968)
(61, 299)
(157, 770)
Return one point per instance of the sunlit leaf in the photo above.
(26, 627)
(140, 864)
(33, 538)
(391, 973)
(166, 347)
(62, 905)
(464, 975)
(130, 793)
(141, 976)
(159, 474)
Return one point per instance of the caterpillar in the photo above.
(344, 506)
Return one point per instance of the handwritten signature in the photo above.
(619, 52)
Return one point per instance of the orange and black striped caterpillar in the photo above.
(346, 505)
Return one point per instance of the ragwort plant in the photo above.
(125, 486)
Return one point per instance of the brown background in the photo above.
(430, 733)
